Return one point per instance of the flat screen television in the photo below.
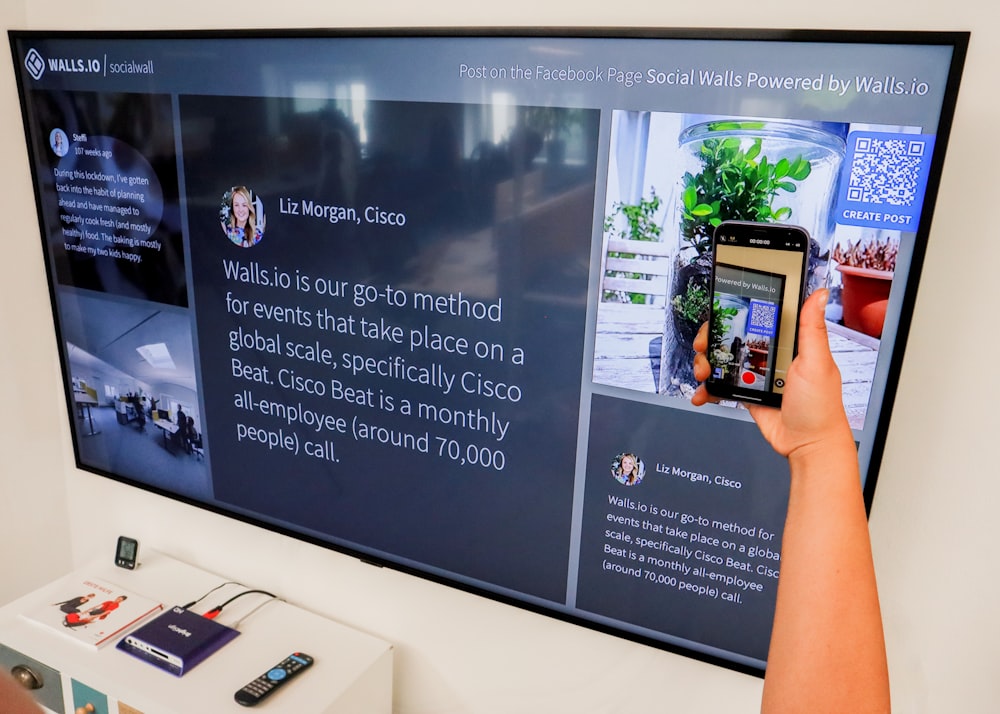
(427, 297)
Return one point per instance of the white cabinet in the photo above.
(352, 671)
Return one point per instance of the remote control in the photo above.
(266, 684)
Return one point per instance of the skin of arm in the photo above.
(14, 699)
(827, 651)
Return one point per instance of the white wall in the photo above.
(34, 518)
(932, 521)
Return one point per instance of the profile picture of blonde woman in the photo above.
(59, 142)
(628, 469)
(242, 217)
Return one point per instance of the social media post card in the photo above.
(108, 192)
(392, 321)
(663, 202)
(855, 187)
(682, 522)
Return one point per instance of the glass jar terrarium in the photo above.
(759, 171)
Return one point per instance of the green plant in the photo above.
(639, 224)
(721, 317)
(640, 219)
(693, 303)
(735, 184)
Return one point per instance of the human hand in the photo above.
(812, 410)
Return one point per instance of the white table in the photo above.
(352, 672)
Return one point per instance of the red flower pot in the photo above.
(865, 298)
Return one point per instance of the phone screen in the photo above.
(757, 287)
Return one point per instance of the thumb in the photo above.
(813, 339)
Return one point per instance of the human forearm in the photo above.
(827, 652)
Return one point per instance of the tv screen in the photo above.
(427, 298)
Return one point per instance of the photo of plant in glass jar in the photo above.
(747, 171)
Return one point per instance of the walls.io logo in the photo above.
(34, 63)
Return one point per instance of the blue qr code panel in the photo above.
(884, 179)
(763, 318)
(886, 170)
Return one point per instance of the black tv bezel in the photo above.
(957, 40)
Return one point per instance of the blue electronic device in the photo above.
(177, 640)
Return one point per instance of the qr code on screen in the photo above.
(886, 171)
(762, 317)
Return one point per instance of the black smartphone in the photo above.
(758, 285)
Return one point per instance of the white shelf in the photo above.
(352, 672)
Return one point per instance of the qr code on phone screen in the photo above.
(886, 171)
(762, 317)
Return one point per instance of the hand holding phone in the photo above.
(758, 285)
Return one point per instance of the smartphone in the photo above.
(758, 285)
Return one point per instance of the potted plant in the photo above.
(866, 270)
(734, 184)
(735, 180)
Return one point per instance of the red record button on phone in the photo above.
(748, 378)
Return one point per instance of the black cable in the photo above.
(195, 602)
(214, 612)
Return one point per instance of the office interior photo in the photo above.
(132, 371)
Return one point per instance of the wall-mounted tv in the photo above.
(427, 297)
